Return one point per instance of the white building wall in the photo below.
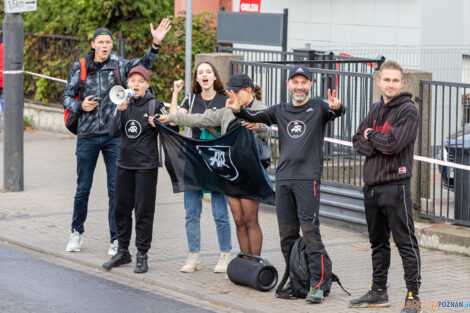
(420, 34)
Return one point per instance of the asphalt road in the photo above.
(29, 284)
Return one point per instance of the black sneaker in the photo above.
(141, 263)
(373, 298)
(412, 304)
(121, 257)
(285, 293)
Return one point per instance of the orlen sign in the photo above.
(250, 6)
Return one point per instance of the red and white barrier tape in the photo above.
(332, 140)
(416, 157)
(12, 72)
(34, 74)
(45, 76)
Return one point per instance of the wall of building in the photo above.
(413, 32)
(207, 5)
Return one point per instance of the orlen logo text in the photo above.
(250, 6)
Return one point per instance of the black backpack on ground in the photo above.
(299, 274)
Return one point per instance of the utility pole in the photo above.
(189, 41)
(13, 93)
(13, 161)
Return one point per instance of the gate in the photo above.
(445, 136)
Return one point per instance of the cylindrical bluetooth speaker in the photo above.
(259, 275)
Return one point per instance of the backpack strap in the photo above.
(191, 102)
(152, 105)
(335, 278)
(117, 74)
(286, 275)
(81, 82)
(83, 70)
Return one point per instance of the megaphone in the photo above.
(119, 95)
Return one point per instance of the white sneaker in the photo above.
(192, 263)
(113, 247)
(221, 266)
(75, 242)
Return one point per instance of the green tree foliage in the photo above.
(59, 33)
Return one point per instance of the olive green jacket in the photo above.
(220, 117)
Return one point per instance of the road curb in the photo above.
(158, 283)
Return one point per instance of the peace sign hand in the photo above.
(232, 101)
(334, 102)
(161, 31)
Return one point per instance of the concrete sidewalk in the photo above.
(39, 218)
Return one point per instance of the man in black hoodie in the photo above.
(386, 137)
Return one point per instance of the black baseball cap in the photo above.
(239, 81)
(101, 31)
(300, 70)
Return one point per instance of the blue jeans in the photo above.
(193, 206)
(88, 150)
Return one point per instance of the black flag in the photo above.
(229, 164)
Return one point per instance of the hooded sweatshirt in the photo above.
(389, 150)
(139, 145)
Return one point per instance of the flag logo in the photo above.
(402, 170)
(218, 160)
(133, 129)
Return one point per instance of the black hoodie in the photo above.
(139, 146)
(389, 150)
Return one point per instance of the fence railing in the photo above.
(445, 135)
(446, 63)
(341, 164)
(256, 55)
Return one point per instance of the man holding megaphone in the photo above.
(86, 96)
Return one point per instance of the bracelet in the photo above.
(156, 45)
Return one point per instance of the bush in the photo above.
(60, 31)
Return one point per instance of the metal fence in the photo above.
(313, 58)
(444, 135)
(341, 163)
(256, 55)
(446, 63)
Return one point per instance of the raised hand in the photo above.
(232, 101)
(178, 85)
(334, 102)
(160, 32)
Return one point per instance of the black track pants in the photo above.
(297, 206)
(135, 189)
(388, 207)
